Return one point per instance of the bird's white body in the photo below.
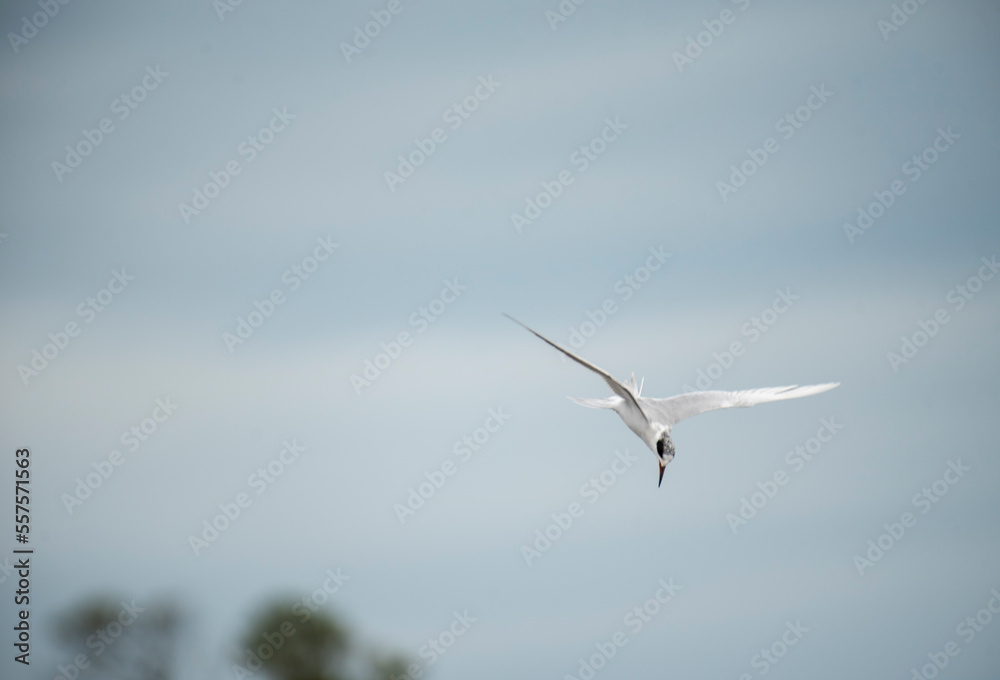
(631, 412)
(652, 419)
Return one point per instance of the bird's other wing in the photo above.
(675, 409)
(615, 385)
(609, 402)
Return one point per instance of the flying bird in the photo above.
(653, 419)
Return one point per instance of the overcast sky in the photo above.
(810, 184)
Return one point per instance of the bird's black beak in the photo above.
(662, 468)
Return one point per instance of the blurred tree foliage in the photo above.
(111, 638)
(122, 640)
(288, 642)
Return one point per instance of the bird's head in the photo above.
(664, 451)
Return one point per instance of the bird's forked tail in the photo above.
(608, 402)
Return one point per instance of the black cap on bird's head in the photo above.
(664, 452)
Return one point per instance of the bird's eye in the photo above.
(659, 446)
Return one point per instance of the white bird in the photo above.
(653, 419)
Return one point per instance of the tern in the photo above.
(653, 419)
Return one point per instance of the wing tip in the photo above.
(814, 389)
(521, 324)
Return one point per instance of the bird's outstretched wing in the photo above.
(675, 409)
(617, 387)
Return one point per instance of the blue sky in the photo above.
(318, 174)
